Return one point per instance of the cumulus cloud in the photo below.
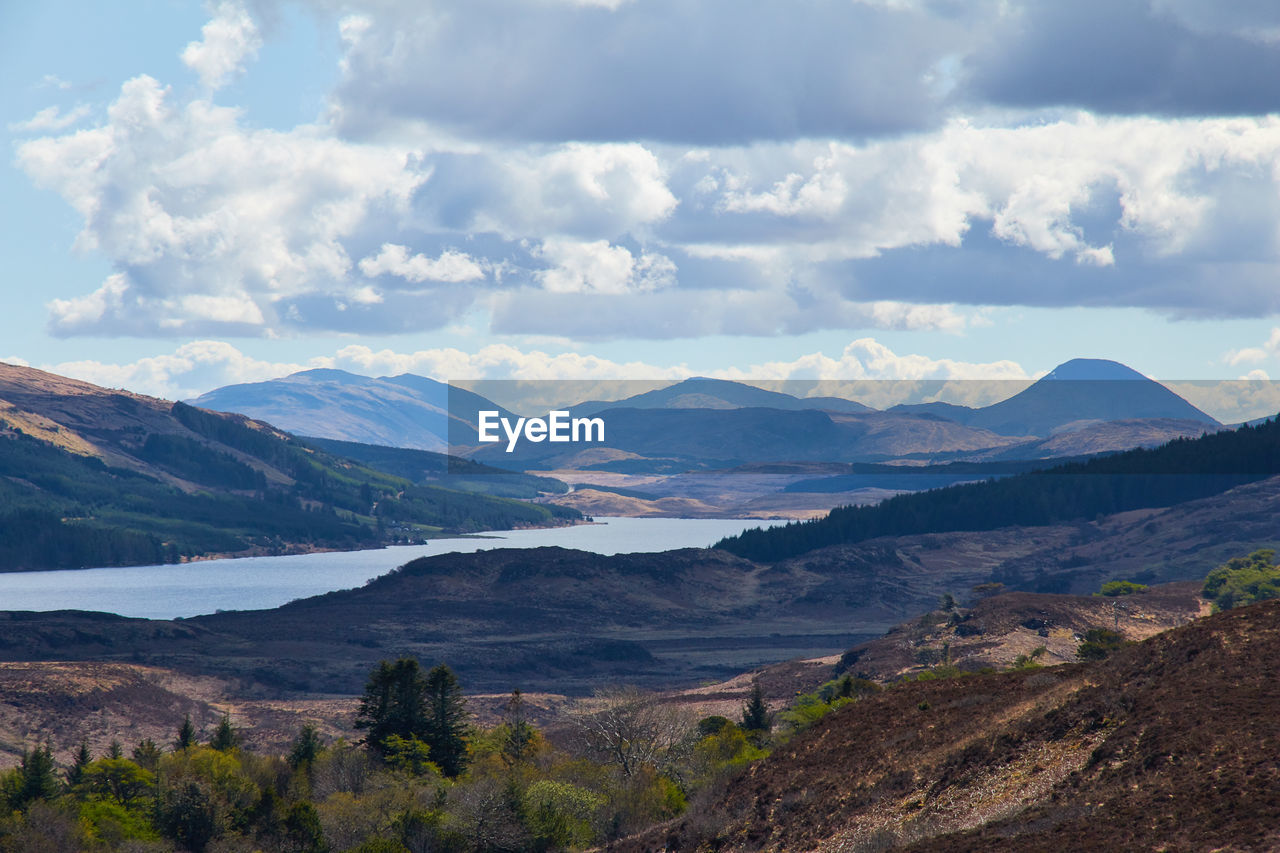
(228, 40)
(392, 259)
(209, 224)
(199, 366)
(598, 267)
(746, 183)
(188, 371)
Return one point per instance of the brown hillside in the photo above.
(108, 424)
(1170, 744)
(995, 631)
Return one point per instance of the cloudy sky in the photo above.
(198, 194)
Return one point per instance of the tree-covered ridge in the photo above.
(1181, 470)
(170, 482)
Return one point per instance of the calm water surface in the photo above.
(251, 583)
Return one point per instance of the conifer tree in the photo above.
(306, 747)
(755, 715)
(517, 741)
(36, 779)
(393, 703)
(147, 755)
(224, 737)
(186, 735)
(78, 763)
(447, 721)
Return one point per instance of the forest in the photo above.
(1181, 470)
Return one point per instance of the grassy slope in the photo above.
(96, 477)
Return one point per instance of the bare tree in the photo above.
(631, 729)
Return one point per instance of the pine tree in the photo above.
(399, 701)
(517, 741)
(75, 772)
(224, 737)
(186, 735)
(115, 750)
(36, 780)
(447, 723)
(147, 755)
(755, 715)
(306, 747)
(393, 703)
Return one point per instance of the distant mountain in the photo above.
(397, 411)
(92, 477)
(700, 423)
(1073, 393)
(663, 440)
(702, 393)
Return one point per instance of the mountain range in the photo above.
(700, 423)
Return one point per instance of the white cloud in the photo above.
(395, 260)
(598, 267)
(229, 39)
(50, 119)
(188, 371)
(212, 226)
(200, 366)
(1252, 396)
(1248, 355)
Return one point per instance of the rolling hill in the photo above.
(703, 393)
(92, 477)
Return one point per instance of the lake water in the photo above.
(252, 583)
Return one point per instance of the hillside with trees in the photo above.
(91, 477)
(1181, 470)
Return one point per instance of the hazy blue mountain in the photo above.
(1073, 394)
(703, 393)
(398, 411)
(1085, 389)
(662, 440)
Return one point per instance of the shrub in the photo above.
(1098, 643)
(1114, 589)
(1243, 580)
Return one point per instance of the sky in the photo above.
(199, 194)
